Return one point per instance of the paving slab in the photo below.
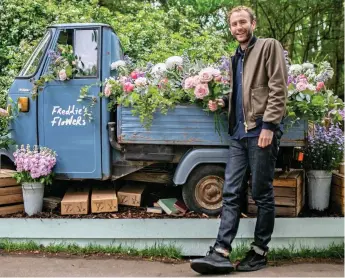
(20, 266)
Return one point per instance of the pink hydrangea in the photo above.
(201, 90)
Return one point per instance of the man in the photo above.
(256, 107)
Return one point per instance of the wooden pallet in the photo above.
(11, 195)
(288, 193)
(337, 192)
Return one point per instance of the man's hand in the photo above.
(265, 138)
(214, 104)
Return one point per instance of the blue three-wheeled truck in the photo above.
(115, 145)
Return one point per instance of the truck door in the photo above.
(62, 125)
(24, 126)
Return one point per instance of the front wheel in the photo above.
(203, 190)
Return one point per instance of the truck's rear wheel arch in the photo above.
(203, 190)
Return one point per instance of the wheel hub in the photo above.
(209, 192)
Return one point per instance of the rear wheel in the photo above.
(203, 189)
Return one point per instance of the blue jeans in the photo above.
(246, 153)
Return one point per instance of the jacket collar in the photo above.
(252, 41)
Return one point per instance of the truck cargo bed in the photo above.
(186, 125)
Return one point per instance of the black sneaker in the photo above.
(252, 262)
(213, 263)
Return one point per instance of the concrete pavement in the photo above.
(38, 266)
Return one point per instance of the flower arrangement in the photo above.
(325, 148)
(34, 165)
(308, 96)
(63, 66)
(151, 88)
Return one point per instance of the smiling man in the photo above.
(256, 107)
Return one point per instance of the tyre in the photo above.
(203, 190)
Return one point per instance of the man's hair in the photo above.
(242, 8)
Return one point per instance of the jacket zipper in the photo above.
(244, 114)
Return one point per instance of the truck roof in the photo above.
(72, 25)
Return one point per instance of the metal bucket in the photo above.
(33, 197)
(319, 188)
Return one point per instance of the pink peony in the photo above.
(128, 87)
(301, 86)
(62, 75)
(201, 90)
(319, 86)
(107, 90)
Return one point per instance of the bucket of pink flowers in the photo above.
(34, 171)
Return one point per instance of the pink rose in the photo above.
(206, 75)
(189, 83)
(62, 75)
(201, 90)
(134, 75)
(319, 86)
(107, 90)
(301, 86)
(128, 87)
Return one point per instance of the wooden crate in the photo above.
(288, 193)
(11, 195)
(337, 192)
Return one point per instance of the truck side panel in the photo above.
(189, 125)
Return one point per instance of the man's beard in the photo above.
(249, 34)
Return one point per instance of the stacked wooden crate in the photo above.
(289, 193)
(337, 192)
(11, 196)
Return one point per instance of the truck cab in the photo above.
(182, 146)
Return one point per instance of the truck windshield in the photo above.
(34, 61)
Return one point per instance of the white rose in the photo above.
(117, 64)
(158, 69)
(62, 75)
(173, 61)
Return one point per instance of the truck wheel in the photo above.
(203, 190)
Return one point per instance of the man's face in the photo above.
(241, 27)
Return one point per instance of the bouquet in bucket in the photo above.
(34, 165)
